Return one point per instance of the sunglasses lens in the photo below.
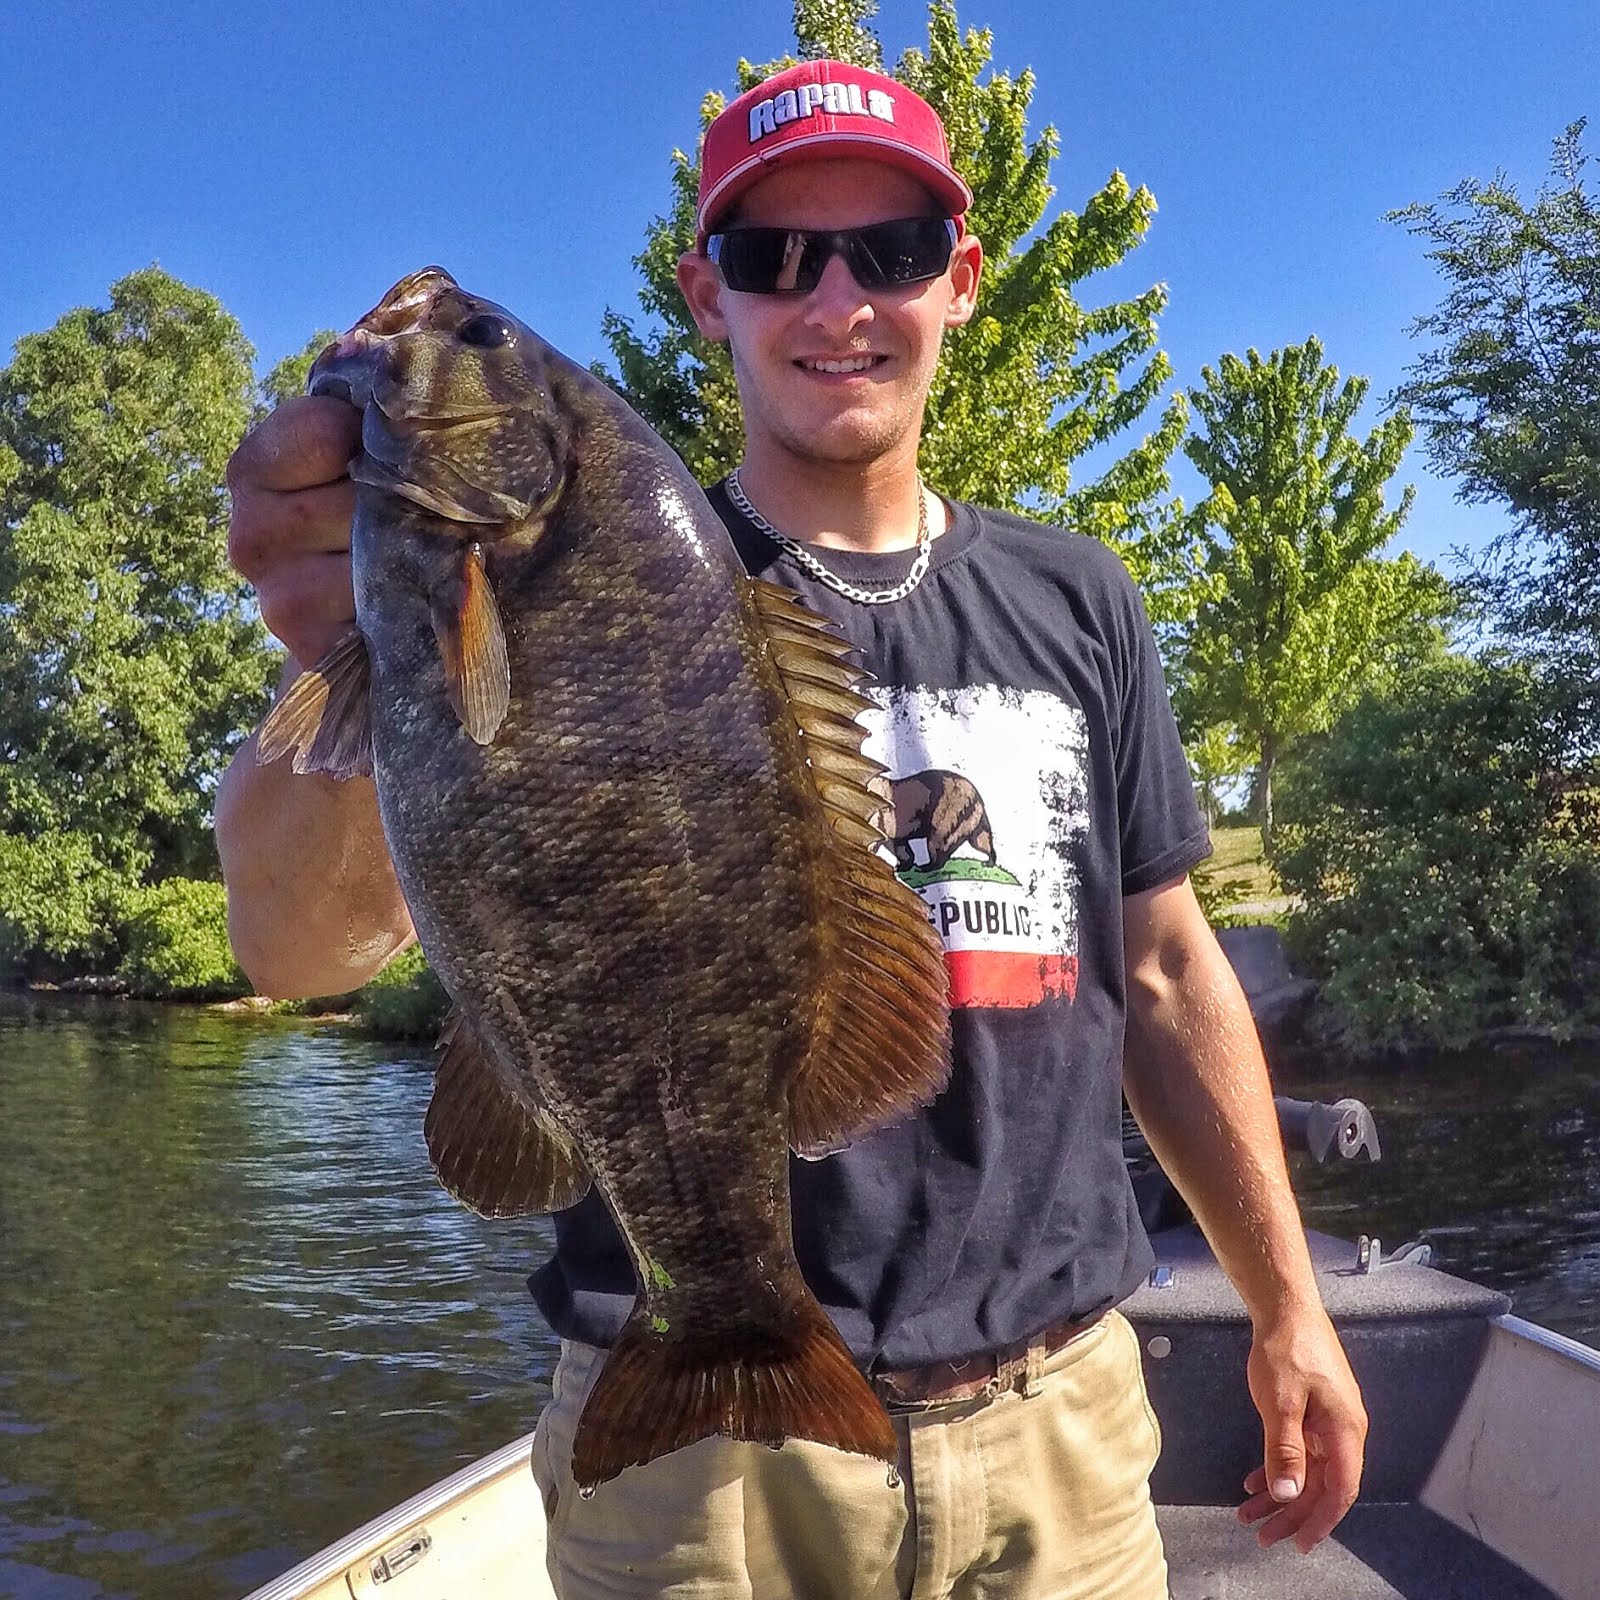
(752, 259)
(908, 251)
(780, 260)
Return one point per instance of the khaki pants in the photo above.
(1041, 1495)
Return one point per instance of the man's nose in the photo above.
(838, 300)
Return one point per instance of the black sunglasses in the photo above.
(791, 260)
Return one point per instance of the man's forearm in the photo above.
(313, 903)
(1196, 1080)
(1197, 1083)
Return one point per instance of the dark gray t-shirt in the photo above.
(1037, 778)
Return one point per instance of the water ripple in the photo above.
(239, 1316)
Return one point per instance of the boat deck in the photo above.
(1379, 1552)
(1416, 1339)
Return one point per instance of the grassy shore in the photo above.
(1240, 869)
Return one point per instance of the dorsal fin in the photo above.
(881, 1041)
(490, 1149)
(326, 716)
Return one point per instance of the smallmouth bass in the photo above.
(623, 789)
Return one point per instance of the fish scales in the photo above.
(648, 889)
(603, 808)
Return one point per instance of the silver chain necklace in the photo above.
(869, 597)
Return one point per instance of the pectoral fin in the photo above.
(472, 645)
(881, 1043)
(494, 1149)
(326, 717)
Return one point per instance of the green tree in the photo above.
(130, 660)
(1217, 760)
(288, 378)
(1296, 612)
(1443, 860)
(1032, 384)
(1509, 395)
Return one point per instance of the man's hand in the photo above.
(290, 529)
(313, 903)
(1316, 1430)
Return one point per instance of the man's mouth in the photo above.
(840, 364)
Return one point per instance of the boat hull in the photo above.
(1481, 1484)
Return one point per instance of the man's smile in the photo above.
(840, 365)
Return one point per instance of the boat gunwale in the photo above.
(1558, 1344)
(337, 1558)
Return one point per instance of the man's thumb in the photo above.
(1286, 1464)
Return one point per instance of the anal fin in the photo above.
(326, 716)
(491, 1148)
(881, 1043)
(472, 646)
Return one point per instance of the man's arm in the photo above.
(313, 903)
(1196, 1080)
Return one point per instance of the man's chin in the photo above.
(843, 446)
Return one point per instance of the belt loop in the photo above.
(1033, 1382)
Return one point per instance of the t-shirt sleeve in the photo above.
(1162, 831)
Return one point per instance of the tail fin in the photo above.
(656, 1394)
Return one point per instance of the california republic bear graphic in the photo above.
(945, 811)
(985, 805)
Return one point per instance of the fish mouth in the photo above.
(343, 370)
(426, 437)
(351, 369)
(332, 385)
(404, 309)
(406, 306)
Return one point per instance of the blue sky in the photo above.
(296, 159)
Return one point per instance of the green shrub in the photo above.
(55, 903)
(405, 1000)
(174, 937)
(1444, 850)
(1218, 894)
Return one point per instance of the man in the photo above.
(972, 1255)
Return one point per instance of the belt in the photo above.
(992, 1372)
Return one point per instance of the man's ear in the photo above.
(701, 286)
(966, 268)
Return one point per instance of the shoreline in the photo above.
(1285, 1035)
(114, 991)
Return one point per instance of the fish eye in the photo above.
(486, 331)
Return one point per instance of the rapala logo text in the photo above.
(841, 99)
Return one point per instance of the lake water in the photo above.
(238, 1317)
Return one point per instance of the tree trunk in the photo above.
(1271, 743)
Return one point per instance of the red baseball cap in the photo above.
(816, 110)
